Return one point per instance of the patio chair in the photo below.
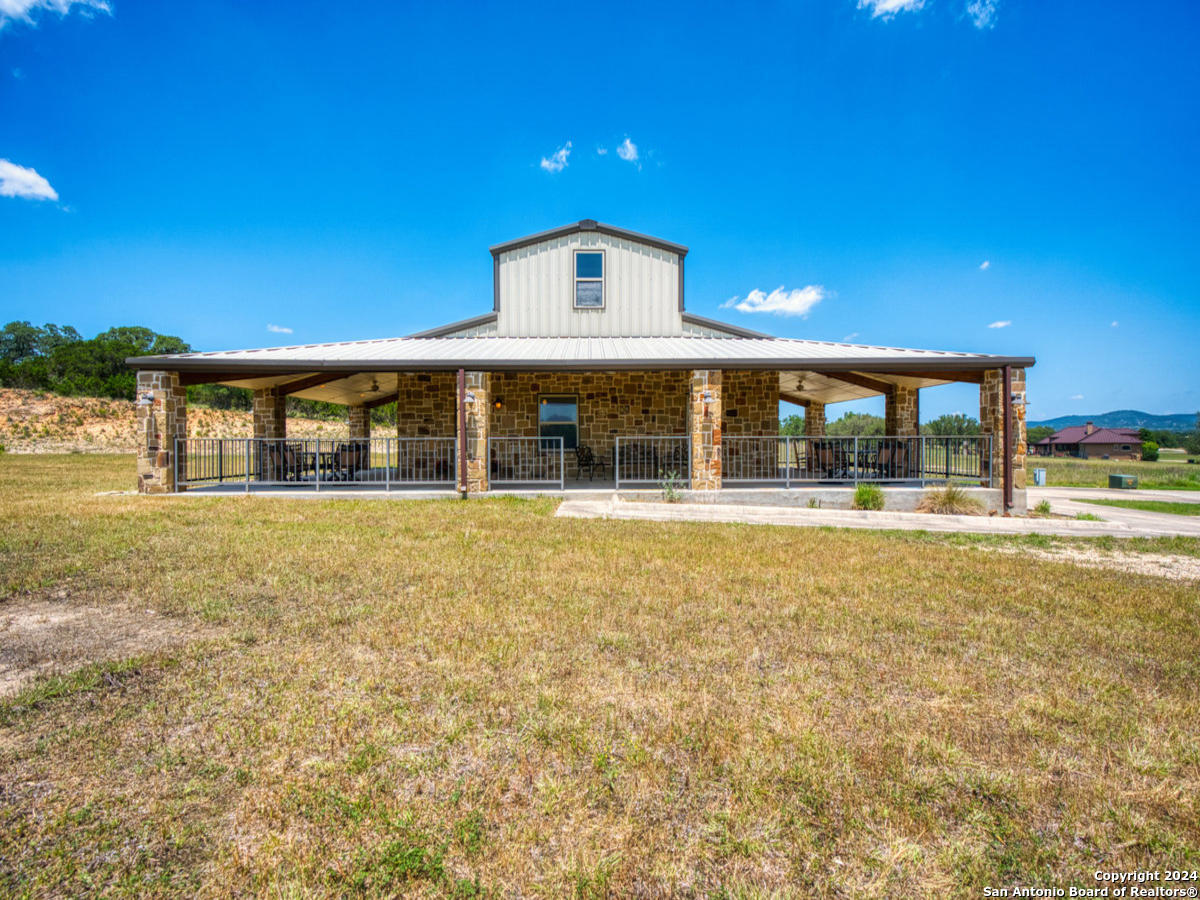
(278, 462)
(349, 459)
(586, 458)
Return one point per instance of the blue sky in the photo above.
(907, 173)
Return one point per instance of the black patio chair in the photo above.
(586, 458)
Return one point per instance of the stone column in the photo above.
(1019, 446)
(478, 409)
(900, 411)
(162, 418)
(270, 413)
(991, 421)
(705, 428)
(360, 422)
(814, 419)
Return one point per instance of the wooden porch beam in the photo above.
(862, 381)
(382, 401)
(793, 398)
(305, 384)
(972, 377)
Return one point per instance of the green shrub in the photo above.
(670, 485)
(1043, 508)
(868, 496)
(1150, 451)
(951, 500)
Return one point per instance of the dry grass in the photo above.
(950, 500)
(1166, 474)
(479, 699)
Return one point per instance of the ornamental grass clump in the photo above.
(950, 500)
(868, 496)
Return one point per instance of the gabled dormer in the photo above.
(588, 279)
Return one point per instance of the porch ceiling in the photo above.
(825, 388)
(348, 390)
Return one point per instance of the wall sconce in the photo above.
(469, 396)
(1018, 398)
(499, 403)
(708, 395)
(146, 400)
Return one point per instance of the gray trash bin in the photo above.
(1039, 477)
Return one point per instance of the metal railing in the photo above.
(850, 460)
(315, 462)
(642, 460)
(526, 460)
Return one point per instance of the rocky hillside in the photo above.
(37, 422)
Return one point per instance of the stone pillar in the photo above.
(900, 411)
(991, 421)
(270, 413)
(478, 409)
(162, 418)
(1019, 446)
(704, 419)
(360, 422)
(814, 419)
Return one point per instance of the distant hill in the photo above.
(1126, 418)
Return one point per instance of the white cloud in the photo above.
(982, 13)
(1003, 323)
(885, 9)
(601, 151)
(18, 181)
(851, 336)
(1076, 397)
(985, 265)
(25, 10)
(796, 302)
(1114, 324)
(557, 160)
(279, 329)
(628, 151)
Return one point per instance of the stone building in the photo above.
(588, 366)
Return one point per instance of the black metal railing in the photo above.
(313, 462)
(526, 460)
(644, 460)
(849, 460)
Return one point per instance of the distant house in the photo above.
(1089, 442)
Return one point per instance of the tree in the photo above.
(19, 341)
(792, 425)
(1150, 451)
(856, 424)
(1038, 433)
(952, 424)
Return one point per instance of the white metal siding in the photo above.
(537, 290)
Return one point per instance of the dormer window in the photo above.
(589, 279)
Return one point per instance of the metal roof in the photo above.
(548, 353)
(589, 225)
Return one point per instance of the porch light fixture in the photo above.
(469, 396)
(146, 400)
(499, 404)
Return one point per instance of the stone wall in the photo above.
(814, 419)
(901, 413)
(270, 413)
(162, 418)
(610, 404)
(359, 421)
(991, 421)
(477, 405)
(751, 402)
(704, 426)
(426, 404)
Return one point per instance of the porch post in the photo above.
(996, 407)
(814, 419)
(360, 422)
(705, 429)
(474, 407)
(162, 418)
(270, 413)
(900, 411)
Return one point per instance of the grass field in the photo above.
(478, 699)
(1160, 506)
(1068, 472)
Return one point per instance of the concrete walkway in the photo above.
(1066, 501)
(1154, 525)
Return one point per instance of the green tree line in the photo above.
(58, 359)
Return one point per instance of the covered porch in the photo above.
(580, 429)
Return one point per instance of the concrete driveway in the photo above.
(1066, 501)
